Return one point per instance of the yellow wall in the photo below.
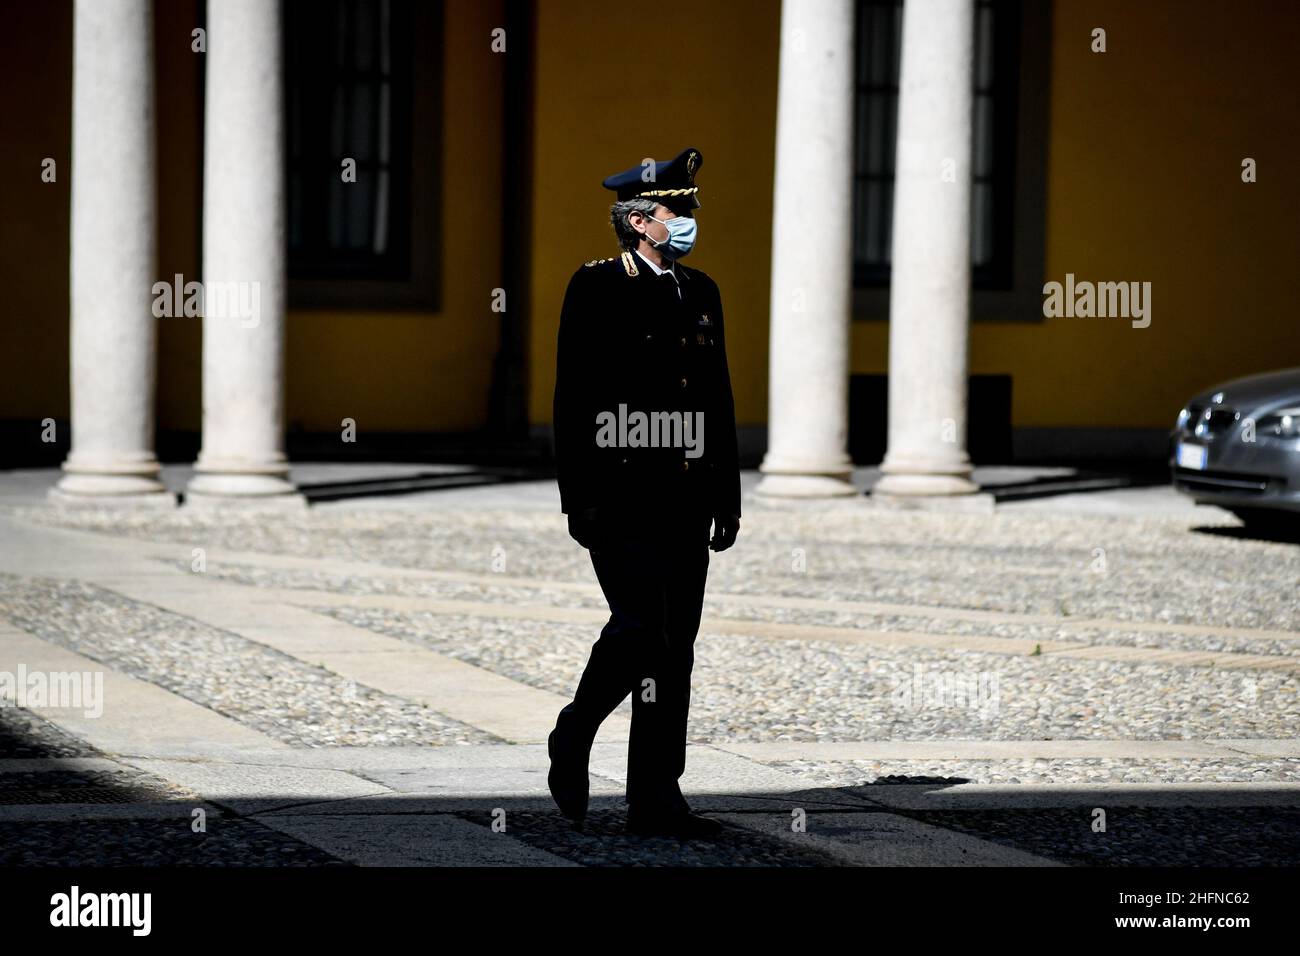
(1143, 184)
(179, 84)
(36, 53)
(421, 371)
(35, 101)
(1143, 181)
(610, 92)
(1146, 142)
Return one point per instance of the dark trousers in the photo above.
(653, 576)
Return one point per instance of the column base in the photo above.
(203, 502)
(161, 500)
(804, 486)
(111, 484)
(914, 484)
(226, 490)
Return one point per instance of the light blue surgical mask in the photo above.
(681, 236)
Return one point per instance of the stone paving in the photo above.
(363, 683)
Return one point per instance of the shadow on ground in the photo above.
(1282, 531)
(1083, 481)
(69, 805)
(422, 481)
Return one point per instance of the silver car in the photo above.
(1237, 446)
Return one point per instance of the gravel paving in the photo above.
(1098, 770)
(1158, 568)
(603, 842)
(229, 841)
(1137, 836)
(25, 735)
(759, 689)
(126, 785)
(444, 590)
(271, 692)
(720, 605)
(1170, 569)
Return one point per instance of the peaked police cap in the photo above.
(671, 182)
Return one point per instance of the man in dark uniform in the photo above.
(645, 443)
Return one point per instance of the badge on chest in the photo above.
(704, 333)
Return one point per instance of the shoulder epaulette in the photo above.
(629, 263)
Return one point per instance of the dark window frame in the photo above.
(406, 276)
(1010, 288)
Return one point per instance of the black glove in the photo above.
(725, 529)
(584, 527)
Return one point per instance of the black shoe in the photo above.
(681, 824)
(568, 780)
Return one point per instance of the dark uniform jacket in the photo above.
(629, 340)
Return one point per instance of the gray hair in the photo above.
(628, 237)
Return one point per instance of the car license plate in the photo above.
(1191, 456)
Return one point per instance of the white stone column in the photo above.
(929, 314)
(113, 258)
(811, 254)
(242, 458)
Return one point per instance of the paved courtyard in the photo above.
(372, 679)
